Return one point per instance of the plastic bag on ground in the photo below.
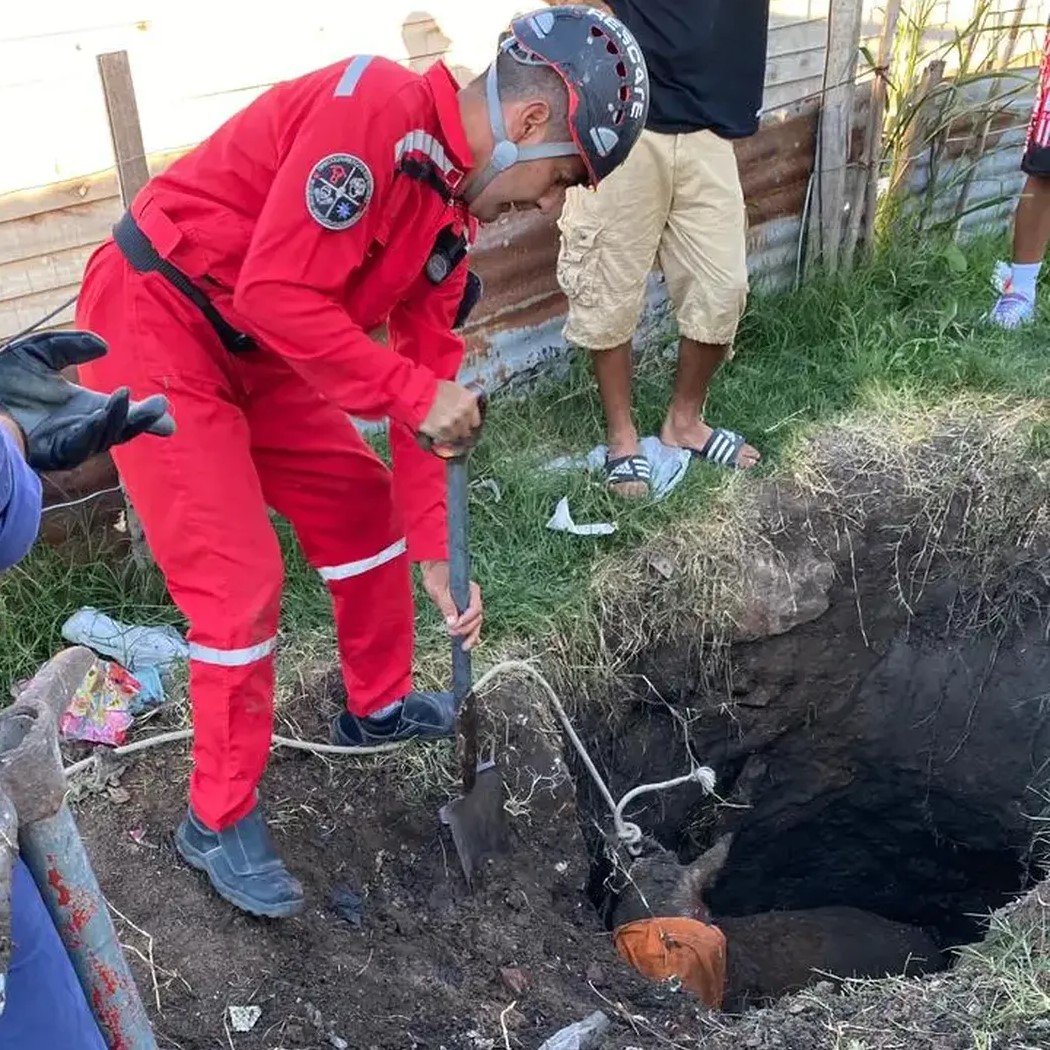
(132, 646)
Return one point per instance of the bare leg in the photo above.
(1032, 221)
(1016, 304)
(685, 426)
(613, 370)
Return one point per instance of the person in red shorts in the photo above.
(1016, 304)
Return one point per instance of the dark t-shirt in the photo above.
(707, 61)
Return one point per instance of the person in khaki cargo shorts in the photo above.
(676, 201)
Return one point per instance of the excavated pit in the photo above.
(873, 753)
(885, 845)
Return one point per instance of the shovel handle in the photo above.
(459, 582)
(459, 567)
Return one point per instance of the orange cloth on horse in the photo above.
(688, 949)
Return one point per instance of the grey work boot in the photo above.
(242, 864)
(424, 716)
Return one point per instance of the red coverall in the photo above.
(308, 219)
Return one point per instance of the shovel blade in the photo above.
(478, 823)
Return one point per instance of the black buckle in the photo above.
(448, 252)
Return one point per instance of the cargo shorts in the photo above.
(675, 203)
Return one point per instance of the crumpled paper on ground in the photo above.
(561, 521)
(132, 646)
(107, 701)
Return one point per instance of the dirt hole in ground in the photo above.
(874, 755)
(887, 845)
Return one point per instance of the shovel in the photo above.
(477, 819)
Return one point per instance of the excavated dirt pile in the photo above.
(873, 697)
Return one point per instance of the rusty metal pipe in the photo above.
(31, 774)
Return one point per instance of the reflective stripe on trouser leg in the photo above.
(232, 694)
(372, 602)
(201, 503)
(347, 570)
(320, 474)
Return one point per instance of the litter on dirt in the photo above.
(244, 1018)
(584, 1035)
(100, 711)
(348, 905)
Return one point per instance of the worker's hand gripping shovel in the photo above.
(477, 819)
(449, 451)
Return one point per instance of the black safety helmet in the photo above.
(607, 80)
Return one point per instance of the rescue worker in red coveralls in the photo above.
(242, 285)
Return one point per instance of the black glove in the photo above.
(65, 424)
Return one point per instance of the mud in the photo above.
(428, 967)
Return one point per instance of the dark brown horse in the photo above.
(772, 954)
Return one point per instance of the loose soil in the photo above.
(430, 966)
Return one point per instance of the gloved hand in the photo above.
(65, 424)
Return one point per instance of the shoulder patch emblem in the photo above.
(338, 191)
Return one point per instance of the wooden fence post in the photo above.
(132, 174)
(865, 199)
(836, 123)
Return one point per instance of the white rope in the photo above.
(279, 741)
(628, 832)
(631, 834)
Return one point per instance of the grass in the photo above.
(1012, 970)
(904, 329)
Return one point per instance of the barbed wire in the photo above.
(83, 499)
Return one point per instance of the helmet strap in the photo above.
(505, 154)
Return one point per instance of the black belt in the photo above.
(141, 254)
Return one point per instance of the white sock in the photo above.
(1023, 277)
(386, 712)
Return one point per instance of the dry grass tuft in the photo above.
(959, 485)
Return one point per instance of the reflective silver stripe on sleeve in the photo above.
(358, 568)
(232, 657)
(424, 143)
(351, 75)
